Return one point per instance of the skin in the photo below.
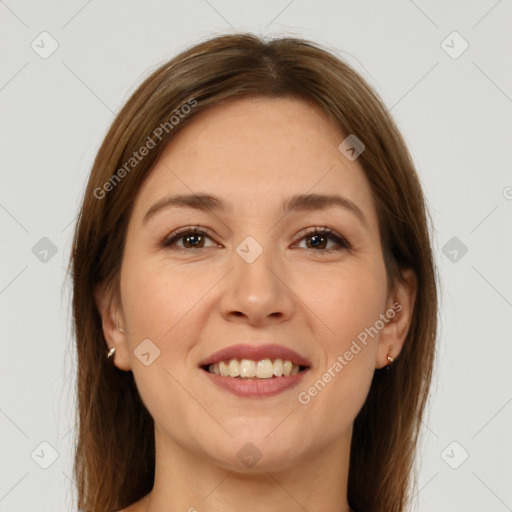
(190, 302)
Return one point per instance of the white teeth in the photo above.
(234, 368)
(265, 369)
(223, 367)
(247, 368)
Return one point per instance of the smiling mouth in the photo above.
(251, 369)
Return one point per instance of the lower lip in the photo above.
(256, 388)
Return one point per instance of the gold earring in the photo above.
(111, 352)
(390, 362)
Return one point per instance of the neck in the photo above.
(192, 482)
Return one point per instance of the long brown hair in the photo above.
(115, 459)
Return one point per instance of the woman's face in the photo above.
(259, 275)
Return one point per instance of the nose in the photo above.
(257, 293)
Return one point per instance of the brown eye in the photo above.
(188, 239)
(318, 239)
(193, 240)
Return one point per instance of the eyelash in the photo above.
(342, 243)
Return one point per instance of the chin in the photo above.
(250, 459)
(258, 454)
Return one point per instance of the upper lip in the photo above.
(256, 353)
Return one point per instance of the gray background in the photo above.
(453, 109)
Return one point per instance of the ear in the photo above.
(397, 318)
(112, 321)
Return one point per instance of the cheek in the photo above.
(162, 304)
(168, 306)
(158, 300)
(345, 303)
(348, 305)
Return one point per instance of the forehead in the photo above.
(255, 153)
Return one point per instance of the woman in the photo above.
(254, 291)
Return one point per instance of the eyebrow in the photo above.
(298, 202)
